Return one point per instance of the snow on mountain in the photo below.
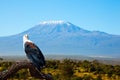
(60, 37)
(52, 22)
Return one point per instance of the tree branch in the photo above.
(24, 65)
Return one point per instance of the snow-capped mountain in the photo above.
(60, 37)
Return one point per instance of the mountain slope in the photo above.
(59, 37)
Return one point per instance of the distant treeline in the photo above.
(1, 58)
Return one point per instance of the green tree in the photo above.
(66, 69)
(117, 70)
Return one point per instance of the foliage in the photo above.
(68, 69)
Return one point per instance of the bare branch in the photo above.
(24, 65)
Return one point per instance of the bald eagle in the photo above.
(33, 53)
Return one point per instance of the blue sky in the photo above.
(19, 15)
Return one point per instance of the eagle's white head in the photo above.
(26, 39)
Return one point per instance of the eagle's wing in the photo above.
(35, 55)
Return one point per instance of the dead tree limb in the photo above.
(24, 65)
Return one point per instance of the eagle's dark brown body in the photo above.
(34, 54)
